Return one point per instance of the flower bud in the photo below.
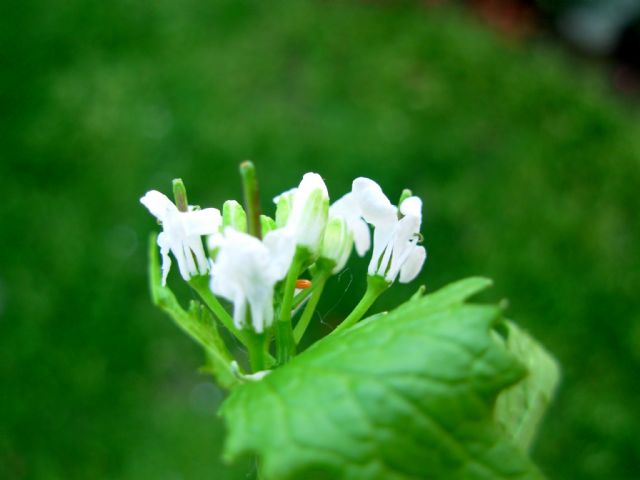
(267, 224)
(336, 244)
(309, 213)
(233, 215)
(180, 195)
(284, 203)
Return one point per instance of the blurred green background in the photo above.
(528, 165)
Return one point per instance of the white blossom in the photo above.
(246, 269)
(308, 213)
(349, 210)
(396, 233)
(181, 232)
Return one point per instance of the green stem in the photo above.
(201, 285)
(319, 281)
(285, 344)
(375, 286)
(301, 297)
(251, 198)
(257, 352)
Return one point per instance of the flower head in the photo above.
(246, 270)
(181, 232)
(396, 232)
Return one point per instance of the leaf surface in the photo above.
(520, 408)
(407, 395)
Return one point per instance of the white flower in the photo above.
(181, 232)
(395, 248)
(308, 214)
(246, 270)
(349, 210)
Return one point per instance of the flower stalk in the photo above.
(285, 343)
(201, 285)
(251, 197)
(376, 285)
(258, 352)
(319, 280)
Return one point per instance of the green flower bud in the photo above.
(336, 244)
(180, 195)
(284, 203)
(233, 215)
(267, 223)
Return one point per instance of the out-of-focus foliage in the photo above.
(528, 169)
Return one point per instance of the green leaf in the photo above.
(407, 395)
(520, 408)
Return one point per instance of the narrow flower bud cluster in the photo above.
(258, 274)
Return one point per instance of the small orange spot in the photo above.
(302, 283)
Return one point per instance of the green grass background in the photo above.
(528, 166)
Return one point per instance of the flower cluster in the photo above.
(255, 261)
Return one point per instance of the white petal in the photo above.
(246, 269)
(195, 245)
(310, 182)
(281, 245)
(261, 303)
(309, 212)
(220, 285)
(190, 263)
(413, 264)
(374, 204)
(166, 259)
(239, 309)
(289, 193)
(412, 206)
(407, 229)
(346, 206)
(216, 240)
(361, 236)
(158, 204)
(382, 237)
(202, 222)
(177, 248)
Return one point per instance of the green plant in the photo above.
(436, 388)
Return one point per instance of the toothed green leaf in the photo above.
(520, 408)
(407, 395)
